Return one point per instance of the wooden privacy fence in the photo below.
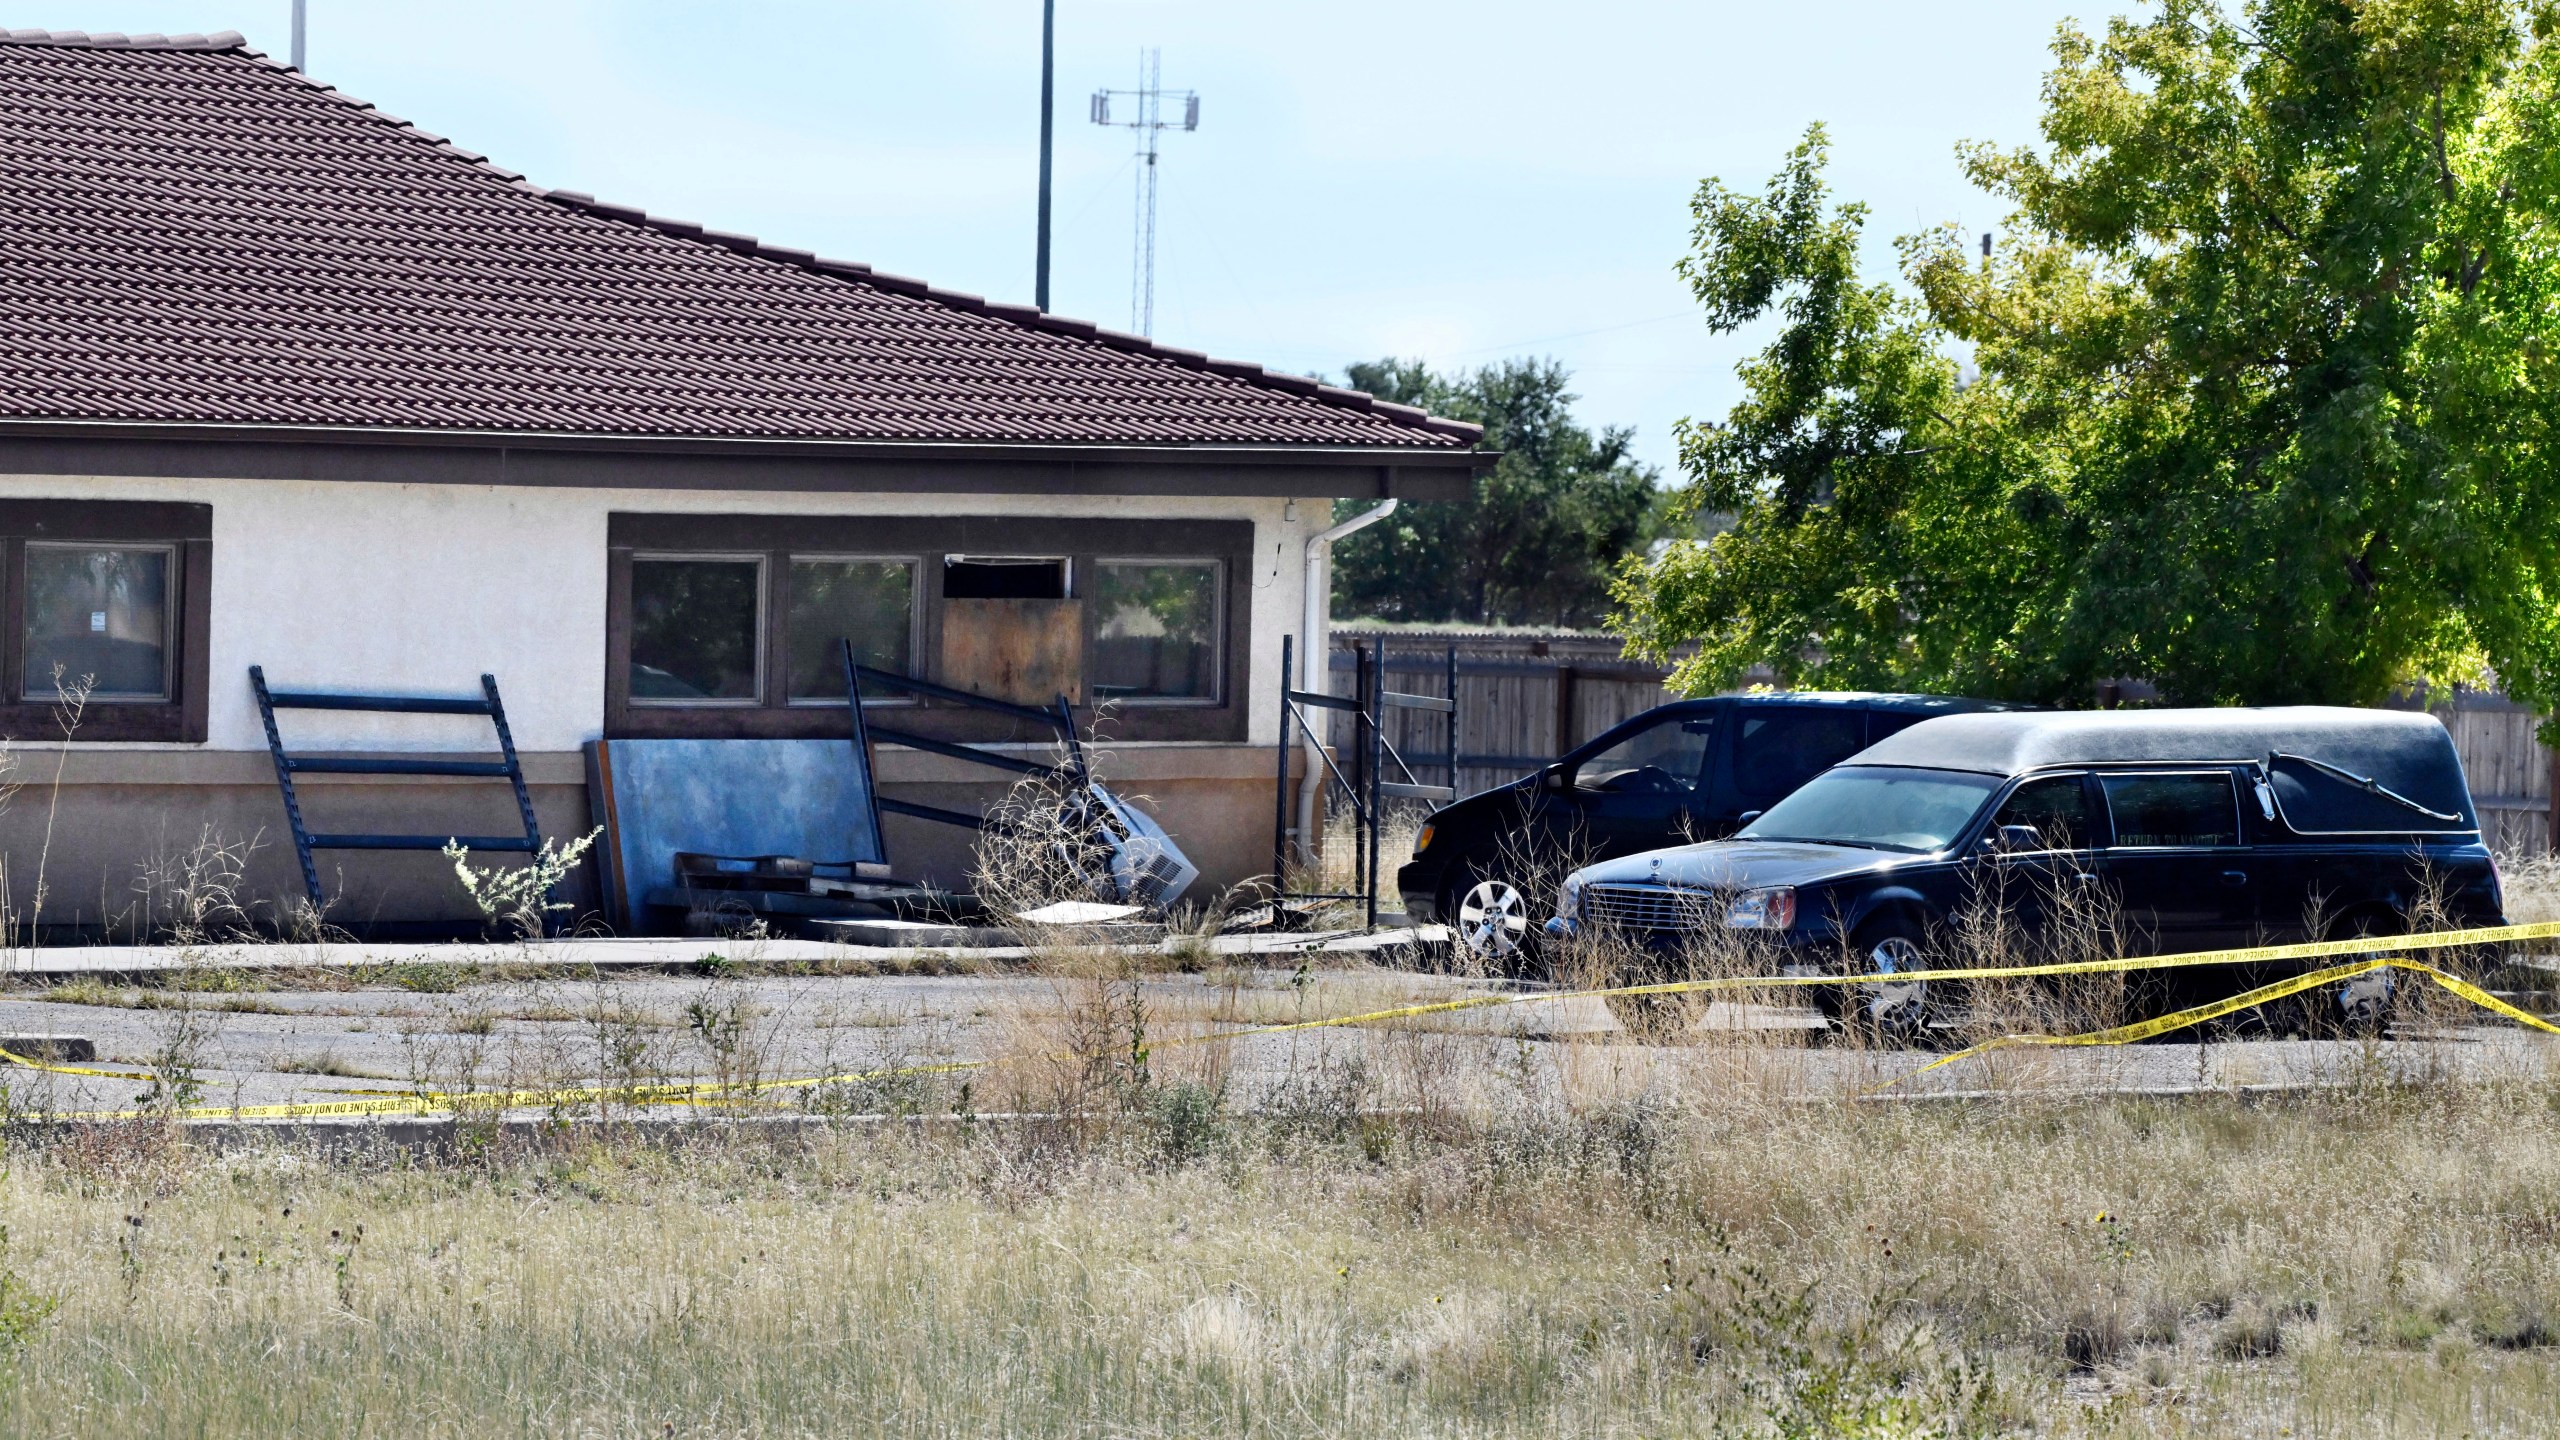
(1525, 699)
(1522, 701)
(2510, 772)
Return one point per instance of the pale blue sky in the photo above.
(1460, 180)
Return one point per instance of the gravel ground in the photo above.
(394, 1021)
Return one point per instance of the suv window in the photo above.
(2155, 811)
(1881, 723)
(1665, 758)
(2057, 806)
(1780, 748)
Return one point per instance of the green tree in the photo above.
(2264, 408)
(1543, 534)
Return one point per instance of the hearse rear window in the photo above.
(2324, 801)
(2163, 811)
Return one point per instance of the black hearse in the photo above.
(1689, 770)
(2209, 828)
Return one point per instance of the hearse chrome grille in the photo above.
(1656, 908)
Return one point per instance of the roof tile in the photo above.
(191, 232)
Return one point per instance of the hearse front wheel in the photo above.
(1656, 1019)
(1895, 1013)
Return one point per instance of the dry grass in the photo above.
(1113, 1230)
(2532, 887)
(2377, 1261)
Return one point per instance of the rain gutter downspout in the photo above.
(1317, 660)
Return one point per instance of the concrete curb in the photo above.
(129, 960)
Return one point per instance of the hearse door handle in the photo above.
(2234, 879)
(2084, 877)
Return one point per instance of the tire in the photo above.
(1899, 1016)
(2362, 1007)
(1490, 920)
(2291, 1018)
(1654, 1019)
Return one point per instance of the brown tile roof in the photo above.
(193, 233)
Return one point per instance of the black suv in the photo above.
(2202, 829)
(1690, 770)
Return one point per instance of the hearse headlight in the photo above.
(1770, 909)
(1569, 899)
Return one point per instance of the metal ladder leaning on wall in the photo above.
(1059, 716)
(288, 765)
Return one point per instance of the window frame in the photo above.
(1217, 568)
(1235, 542)
(185, 530)
(915, 563)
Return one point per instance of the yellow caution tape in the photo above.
(2141, 1030)
(694, 1093)
(12, 1058)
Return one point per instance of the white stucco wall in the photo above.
(423, 587)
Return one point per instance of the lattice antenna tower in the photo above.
(1148, 123)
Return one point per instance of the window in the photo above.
(2155, 811)
(1877, 807)
(106, 598)
(1780, 748)
(1155, 630)
(2055, 807)
(871, 602)
(733, 626)
(1881, 723)
(1004, 577)
(696, 629)
(1668, 757)
(97, 617)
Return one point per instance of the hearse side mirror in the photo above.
(1557, 778)
(2017, 837)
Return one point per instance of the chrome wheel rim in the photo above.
(1493, 920)
(1897, 1003)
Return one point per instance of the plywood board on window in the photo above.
(1027, 651)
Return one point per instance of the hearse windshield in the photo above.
(1877, 807)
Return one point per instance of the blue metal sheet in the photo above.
(806, 798)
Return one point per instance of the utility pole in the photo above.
(1148, 124)
(297, 35)
(1048, 119)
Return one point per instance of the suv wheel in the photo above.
(1489, 921)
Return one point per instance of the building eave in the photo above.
(422, 455)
